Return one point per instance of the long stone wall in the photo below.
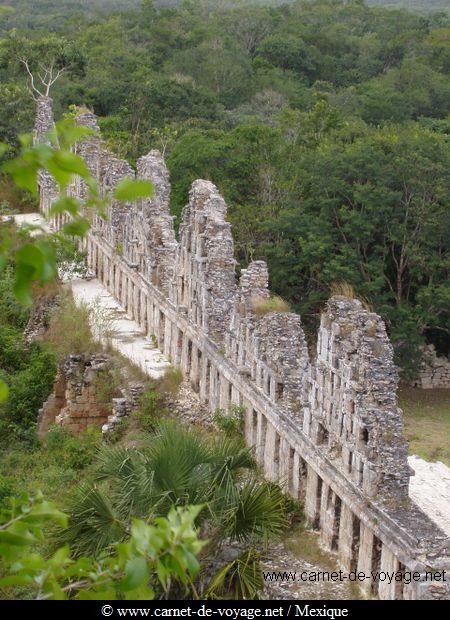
(327, 429)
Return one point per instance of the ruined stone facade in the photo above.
(327, 429)
(435, 371)
(75, 402)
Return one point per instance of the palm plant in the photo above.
(241, 578)
(176, 466)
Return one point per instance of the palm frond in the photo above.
(179, 460)
(94, 524)
(255, 512)
(242, 578)
(230, 455)
(114, 462)
(128, 475)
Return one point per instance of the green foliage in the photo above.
(77, 452)
(12, 312)
(44, 60)
(28, 371)
(372, 213)
(29, 388)
(128, 189)
(151, 409)
(255, 512)
(175, 466)
(152, 558)
(55, 465)
(231, 422)
(242, 578)
(69, 331)
(152, 406)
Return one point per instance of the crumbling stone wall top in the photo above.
(205, 280)
(353, 408)
(44, 119)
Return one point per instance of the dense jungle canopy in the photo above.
(325, 125)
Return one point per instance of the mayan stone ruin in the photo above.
(326, 427)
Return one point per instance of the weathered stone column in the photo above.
(261, 438)
(150, 317)
(235, 396)
(313, 495)
(365, 556)
(224, 401)
(389, 564)
(271, 454)
(194, 374)
(204, 378)
(249, 429)
(184, 355)
(167, 337)
(346, 539)
(297, 482)
(327, 516)
(286, 465)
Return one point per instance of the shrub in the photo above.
(176, 465)
(12, 349)
(106, 386)
(230, 422)
(274, 303)
(171, 381)
(242, 578)
(14, 434)
(11, 311)
(29, 387)
(69, 332)
(76, 452)
(151, 409)
(161, 555)
(6, 488)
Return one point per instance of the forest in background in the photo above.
(52, 13)
(324, 124)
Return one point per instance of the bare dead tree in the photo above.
(44, 76)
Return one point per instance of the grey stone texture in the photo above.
(327, 429)
(123, 406)
(435, 371)
(75, 403)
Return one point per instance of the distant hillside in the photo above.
(422, 6)
(51, 13)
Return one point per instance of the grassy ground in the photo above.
(54, 468)
(427, 422)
